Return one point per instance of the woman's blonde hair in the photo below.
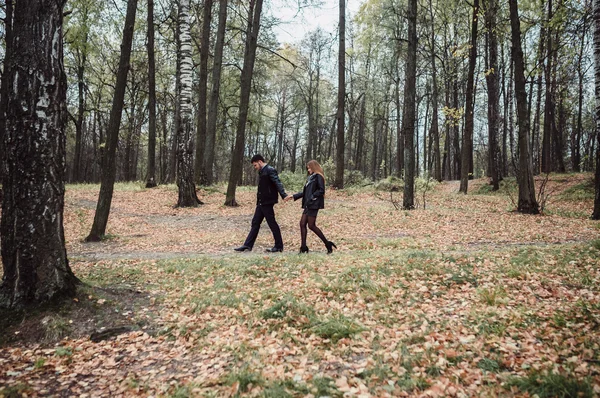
(316, 168)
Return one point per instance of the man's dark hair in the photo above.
(257, 158)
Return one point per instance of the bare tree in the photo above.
(109, 164)
(340, 117)
(199, 167)
(151, 177)
(596, 214)
(34, 258)
(211, 125)
(408, 119)
(527, 202)
(491, 10)
(434, 129)
(467, 147)
(255, 9)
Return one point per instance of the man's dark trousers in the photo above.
(262, 212)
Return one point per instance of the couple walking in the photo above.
(313, 199)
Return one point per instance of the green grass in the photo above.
(325, 387)
(291, 312)
(246, 379)
(63, 352)
(581, 191)
(552, 385)
(17, 391)
(489, 365)
(336, 328)
(493, 296)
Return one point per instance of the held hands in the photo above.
(288, 198)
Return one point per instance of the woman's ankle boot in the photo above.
(330, 245)
(303, 249)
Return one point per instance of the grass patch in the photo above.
(284, 389)
(17, 391)
(63, 352)
(410, 384)
(492, 296)
(582, 191)
(246, 379)
(336, 328)
(492, 327)
(551, 385)
(291, 312)
(489, 365)
(325, 387)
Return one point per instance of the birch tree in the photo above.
(34, 258)
(185, 144)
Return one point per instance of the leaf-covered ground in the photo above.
(462, 298)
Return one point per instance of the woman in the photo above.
(313, 199)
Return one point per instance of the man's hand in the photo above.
(288, 198)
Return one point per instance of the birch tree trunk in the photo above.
(8, 21)
(34, 258)
(185, 144)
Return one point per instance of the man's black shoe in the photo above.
(242, 249)
(274, 250)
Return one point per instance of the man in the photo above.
(266, 197)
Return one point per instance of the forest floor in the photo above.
(462, 297)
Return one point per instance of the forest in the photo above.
(460, 148)
(465, 116)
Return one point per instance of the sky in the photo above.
(296, 24)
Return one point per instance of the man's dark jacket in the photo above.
(313, 193)
(268, 186)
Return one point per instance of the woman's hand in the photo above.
(288, 198)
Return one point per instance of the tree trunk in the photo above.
(467, 147)
(341, 113)
(557, 132)
(535, 131)
(237, 158)
(151, 175)
(434, 129)
(408, 119)
(596, 213)
(548, 103)
(211, 125)
(527, 202)
(109, 163)
(4, 89)
(34, 258)
(491, 10)
(399, 136)
(185, 143)
(199, 168)
(360, 136)
(80, 109)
